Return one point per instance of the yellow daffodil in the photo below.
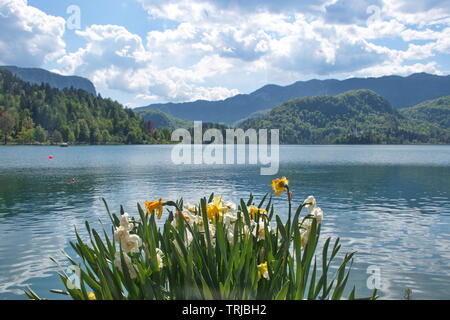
(215, 208)
(253, 211)
(156, 205)
(91, 296)
(279, 185)
(263, 271)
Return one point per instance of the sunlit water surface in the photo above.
(391, 204)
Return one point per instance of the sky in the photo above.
(140, 52)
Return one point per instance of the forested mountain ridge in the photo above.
(436, 112)
(400, 91)
(39, 113)
(160, 120)
(39, 76)
(358, 116)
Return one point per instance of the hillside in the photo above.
(401, 92)
(359, 116)
(161, 120)
(436, 111)
(38, 76)
(38, 113)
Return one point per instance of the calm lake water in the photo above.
(391, 204)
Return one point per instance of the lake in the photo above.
(391, 204)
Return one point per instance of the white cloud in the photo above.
(215, 47)
(114, 58)
(28, 36)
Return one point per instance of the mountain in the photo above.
(401, 92)
(38, 76)
(353, 117)
(161, 120)
(435, 111)
(39, 113)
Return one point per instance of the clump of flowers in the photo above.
(214, 249)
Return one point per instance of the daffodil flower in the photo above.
(153, 206)
(263, 271)
(217, 208)
(280, 185)
(159, 258)
(317, 214)
(310, 203)
(132, 244)
(260, 234)
(128, 263)
(91, 296)
(253, 211)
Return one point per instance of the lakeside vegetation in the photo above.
(212, 250)
(43, 115)
(355, 117)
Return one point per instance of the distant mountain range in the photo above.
(356, 117)
(38, 76)
(400, 91)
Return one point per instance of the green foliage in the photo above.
(57, 137)
(39, 134)
(161, 120)
(355, 117)
(7, 123)
(431, 118)
(38, 111)
(193, 255)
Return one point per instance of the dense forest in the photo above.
(435, 112)
(31, 113)
(354, 117)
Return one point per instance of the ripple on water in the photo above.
(390, 204)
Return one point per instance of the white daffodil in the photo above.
(128, 263)
(159, 258)
(229, 219)
(132, 244)
(230, 207)
(305, 231)
(125, 222)
(304, 235)
(317, 213)
(246, 231)
(260, 234)
(121, 234)
(310, 203)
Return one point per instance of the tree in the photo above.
(96, 136)
(39, 134)
(57, 137)
(26, 135)
(6, 124)
(85, 132)
(106, 138)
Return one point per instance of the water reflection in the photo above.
(390, 204)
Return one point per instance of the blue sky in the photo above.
(146, 51)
